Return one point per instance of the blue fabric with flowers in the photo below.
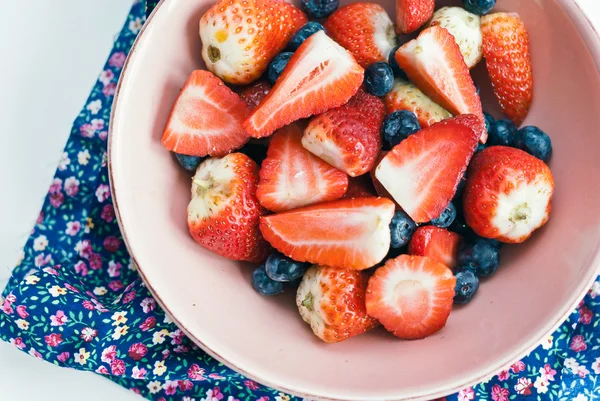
(75, 300)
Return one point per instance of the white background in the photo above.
(50, 54)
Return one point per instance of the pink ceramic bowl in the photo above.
(211, 299)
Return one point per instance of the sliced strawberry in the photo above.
(360, 187)
(406, 96)
(436, 243)
(255, 93)
(320, 75)
(239, 40)
(433, 61)
(223, 215)
(508, 194)
(206, 118)
(347, 233)
(291, 176)
(412, 14)
(466, 29)
(411, 296)
(348, 137)
(332, 302)
(423, 171)
(379, 189)
(365, 30)
(507, 59)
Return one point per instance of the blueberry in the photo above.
(467, 284)
(277, 66)
(495, 243)
(535, 142)
(379, 78)
(480, 147)
(283, 269)
(189, 163)
(503, 132)
(303, 33)
(480, 256)
(446, 218)
(398, 72)
(263, 284)
(489, 121)
(479, 7)
(402, 228)
(397, 127)
(460, 188)
(320, 8)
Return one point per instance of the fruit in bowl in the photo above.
(371, 170)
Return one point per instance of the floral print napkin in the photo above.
(75, 299)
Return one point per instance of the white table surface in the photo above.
(51, 53)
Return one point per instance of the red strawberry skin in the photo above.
(412, 14)
(360, 187)
(332, 301)
(206, 118)
(255, 93)
(319, 76)
(348, 137)
(411, 296)
(435, 64)
(507, 59)
(423, 171)
(436, 243)
(239, 40)
(291, 176)
(223, 215)
(347, 233)
(361, 28)
(491, 201)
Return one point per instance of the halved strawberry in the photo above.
(255, 93)
(436, 243)
(206, 118)
(412, 14)
(332, 302)
(360, 187)
(223, 215)
(508, 194)
(466, 29)
(423, 171)
(241, 37)
(411, 296)
(507, 59)
(406, 96)
(347, 233)
(433, 61)
(291, 176)
(379, 189)
(365, 30)
(348, 137)
(320, 75)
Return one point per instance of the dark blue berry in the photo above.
(489, 121)
(263, 284)
(460, 188)
(397, 127)
(398, 72)
(303, 33)
(402, 228)
(479, 7)
(535, 142)
(379, 78)
(503, 132)
(277, 66)
(320, 8)
(283, 269)
(446, 218)
(480, 256)
(497, 244)
(480, 147)
(467, 284)
(189, 163)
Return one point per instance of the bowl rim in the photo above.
(591, 39)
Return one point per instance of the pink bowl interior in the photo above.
(265, 338)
